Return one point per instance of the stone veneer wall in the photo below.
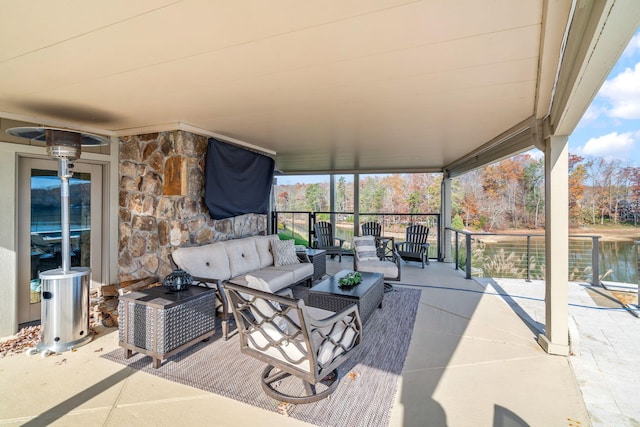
(162, 203)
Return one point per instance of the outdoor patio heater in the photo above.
(64, 290)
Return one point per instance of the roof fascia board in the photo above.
(607, 26)
(555, 24)
(518, 138)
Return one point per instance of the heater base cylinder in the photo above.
(65, 309)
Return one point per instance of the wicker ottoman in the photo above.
(367, 295)
(160, 323)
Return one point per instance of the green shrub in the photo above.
(457, 222)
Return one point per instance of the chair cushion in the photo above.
(341, 334)
(387, 268)
(266, 311)
(284, 252)
(365, 248)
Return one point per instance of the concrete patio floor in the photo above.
(473, 361)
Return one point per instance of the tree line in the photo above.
(507, 194)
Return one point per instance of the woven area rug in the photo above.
(368, 381)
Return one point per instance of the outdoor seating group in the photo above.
(252, 278)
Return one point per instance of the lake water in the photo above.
(618, 260)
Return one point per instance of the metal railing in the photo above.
(299, 225)
(521, 256)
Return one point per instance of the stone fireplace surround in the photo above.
(161, 203)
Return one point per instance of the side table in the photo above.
(318, 258)
(161, 323)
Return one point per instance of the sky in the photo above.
(610, 128)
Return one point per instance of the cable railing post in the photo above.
(274, 222)
(457, 259)
(468, 248)
(528, 258)
(293, 225)
(438, 240)
(595, 261)
(312, 221)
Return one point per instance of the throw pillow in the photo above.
(284, 252)
(365, 248)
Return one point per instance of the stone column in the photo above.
(162, 206)
(556, 338)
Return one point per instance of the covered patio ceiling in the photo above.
(351, 85)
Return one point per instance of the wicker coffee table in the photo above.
(367, 295)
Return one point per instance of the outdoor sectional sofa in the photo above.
(233, 260)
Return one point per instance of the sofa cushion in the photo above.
(208, 261)
(284, 252)
(263, 246)
(300, 271)
(243, 256)
(276, 279)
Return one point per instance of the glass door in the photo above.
(39, 224)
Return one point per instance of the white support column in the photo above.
(332, 199)
(356, 204)
(556, 338)
(445, 217)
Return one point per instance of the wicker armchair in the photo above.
(295, 341)
(367, 257)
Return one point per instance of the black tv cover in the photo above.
(237, 181)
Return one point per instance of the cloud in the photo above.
(633, 47)
(623, 93)
(592, 114)
(610, 146)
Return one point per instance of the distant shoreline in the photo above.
(606, 233)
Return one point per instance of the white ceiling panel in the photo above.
(328, 85)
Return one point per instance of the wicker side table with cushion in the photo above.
(160, 323)
(367, 295)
